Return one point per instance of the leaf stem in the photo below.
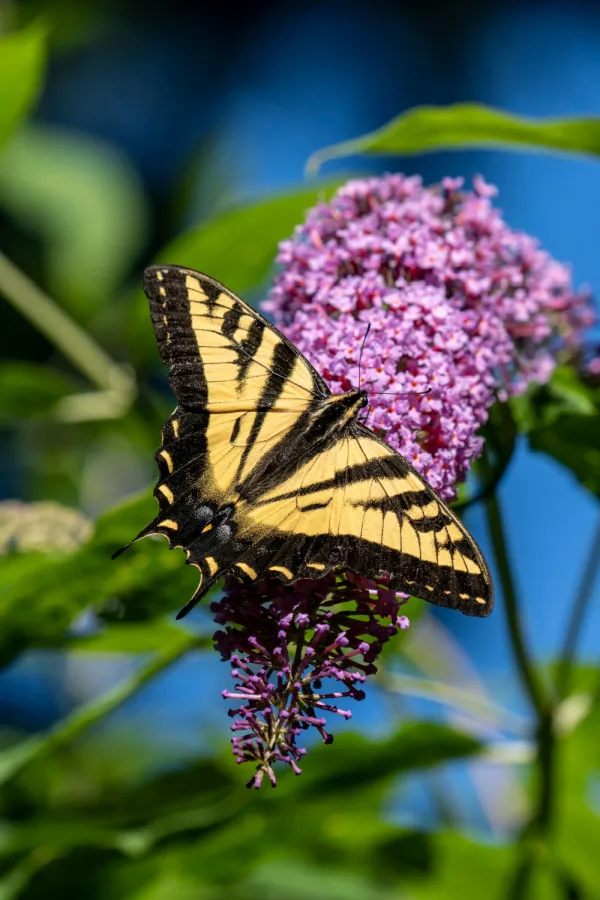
(15, 759)
(579, 609)
(69, 337)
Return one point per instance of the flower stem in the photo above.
(578, 612)
(540, 823)
(14, 760)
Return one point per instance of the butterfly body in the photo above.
(265, 472)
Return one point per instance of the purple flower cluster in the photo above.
(462, 311)
(295, 652)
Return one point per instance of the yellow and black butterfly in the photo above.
(265, 472)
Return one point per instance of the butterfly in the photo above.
(265, 473)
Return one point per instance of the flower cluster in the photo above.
(295, 652)
(462, 310)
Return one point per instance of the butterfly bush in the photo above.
(461, 311)
(459, 306)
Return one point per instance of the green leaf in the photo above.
(130, 637)
(543, 405)
(464, 868)
(575, 442)
(577, 816)
(360, 762)
(85, 202)
(562, 419)
(41, 595)
(28, 390)
(288, 877)
(431, 128)
(238, 247)
(22, 64)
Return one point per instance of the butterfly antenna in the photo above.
(362, 347)
(398, 393)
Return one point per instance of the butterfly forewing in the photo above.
(248, 482)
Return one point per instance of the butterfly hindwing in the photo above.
(361, 505)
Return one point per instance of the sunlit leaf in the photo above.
(430, 128)
(129, 637)
(22, 63)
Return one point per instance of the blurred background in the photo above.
(155, 125)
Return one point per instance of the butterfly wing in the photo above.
(359, 504)
(242, 389)
(241, 489)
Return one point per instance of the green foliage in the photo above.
(237, 246)
(197, 827)
(42, 594)
(85, 202)
(22, 63)
(28, 390)
(433, 128)
(128, 816)
(562, 419)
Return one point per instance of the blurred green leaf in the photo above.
(238, 247)
(575, 442)
(41, 595)
(543, 405)
(578, 793)
(431, 128)
(360, 762)
(562, 419)
(464, 868)
(22, 63)
(29, 390)
(286, 878)
(85, 201)
(130, 637)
